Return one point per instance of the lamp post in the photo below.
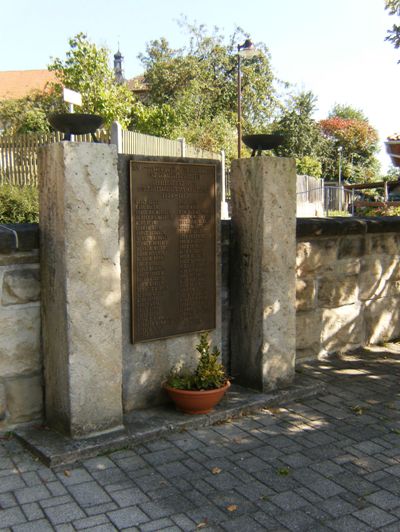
(340, 176)
(247, 49)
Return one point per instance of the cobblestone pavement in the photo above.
(325, 463)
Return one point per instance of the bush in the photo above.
(19, 204)
(379, 211)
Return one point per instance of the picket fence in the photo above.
(18, 153)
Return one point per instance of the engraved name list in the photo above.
(173, 248)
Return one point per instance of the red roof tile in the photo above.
(19, 83)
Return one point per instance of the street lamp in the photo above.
(340, 176)
(247, 49)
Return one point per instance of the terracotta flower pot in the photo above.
(198, 401)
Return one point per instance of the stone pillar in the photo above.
(263, 339)
(81, 293)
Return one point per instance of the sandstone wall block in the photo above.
(342, 328)
(383, 244)
(308, 330)
(24, 399)
(20, 341)
(337, 291)
(21, 286)
(305, 293)
(382, 317)
(352, 246)
(3, 402)
(315, 255)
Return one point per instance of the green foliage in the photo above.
(347, 112)
(86, 70)
(379, 211)
(199, 83)
(358, 142)
(309, 166)
(209, 374)
(393, 35)
(302, 135)
(18, 204)
(29, 114)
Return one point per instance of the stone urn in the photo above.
(393, 149)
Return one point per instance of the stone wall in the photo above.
(20, 359)
(348, 284)
(348, 294)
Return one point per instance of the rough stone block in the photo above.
(20, 341)
(337, 291)
(382, 317)
(308, 330)
(24, 398)
(3, 402)
(351, 246)
(344, 267)
(305, 293)
(382, 244)
(21, 286)
(376, 276)
(263, 271)
(342, 328)
(81, 287)
(314, 255)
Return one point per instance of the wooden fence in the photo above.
(18, 155)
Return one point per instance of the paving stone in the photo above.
(295, 521)
(31, 494)
(7, 500)
(159, 524)
(129, 497)
(64, 513)
(127, 517)
(384, 499)
(183, 522)
(244, 523)
(11, 517)
(90, 522)
(32, 511)
(74, 476)
(89, 494)
(41, 525)
(55, 501)
(375, 517)
(348, 523)
(336, 506)
(11, 482)
(288, 501)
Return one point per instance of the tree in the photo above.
(347, 112)
(358, 141)
(197, 87)
(86, 70)
(29, 114)
(302, 135)
(393, 35)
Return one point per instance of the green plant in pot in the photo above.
(198, 391)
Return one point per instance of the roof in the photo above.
(16, 84)
(137, 84)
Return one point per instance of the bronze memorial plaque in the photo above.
(173, 248)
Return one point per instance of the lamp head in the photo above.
(247, 49)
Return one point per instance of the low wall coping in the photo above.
(325, 227)
(28, 233)
(18, 237)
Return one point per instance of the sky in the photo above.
(336, 48)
